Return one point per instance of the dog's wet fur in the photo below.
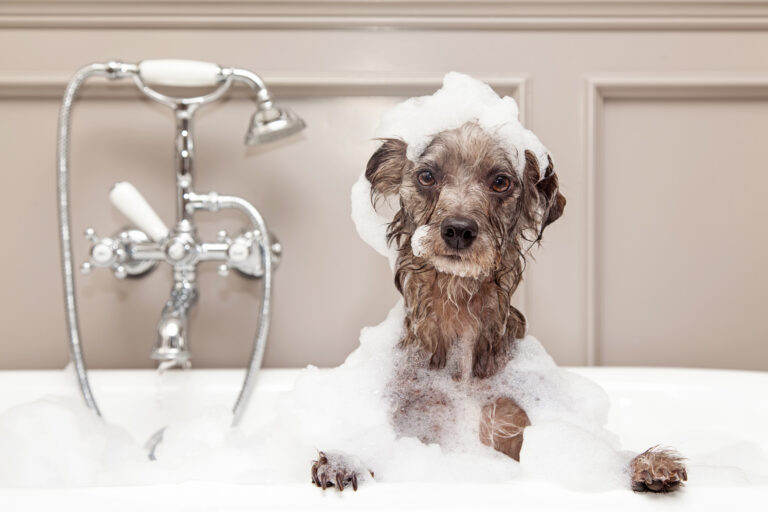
(477, 216)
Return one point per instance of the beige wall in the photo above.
(656, 114)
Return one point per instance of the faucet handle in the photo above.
(240, 249)
(104, 252)
(180, 73)
(114, 253)
(91, 236)
(132, 204)
(245, 252)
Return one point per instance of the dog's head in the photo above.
(464, 207)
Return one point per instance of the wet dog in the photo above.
(466, 220)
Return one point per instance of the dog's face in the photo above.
(464, 208)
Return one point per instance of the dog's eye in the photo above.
(501, 184)
(426, 178)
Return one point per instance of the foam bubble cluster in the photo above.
(462, 99)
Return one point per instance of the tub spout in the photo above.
(171, 348)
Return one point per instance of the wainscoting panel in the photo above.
(679, 220)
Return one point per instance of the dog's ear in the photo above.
(550, 202)
(385, 168)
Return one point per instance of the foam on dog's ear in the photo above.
(550, 203)
(370, 223)
(385, 168)
(374, 192)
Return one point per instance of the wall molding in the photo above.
(51, 86)
(599, 89)
(394, 14)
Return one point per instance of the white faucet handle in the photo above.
(132, 204)
(182, 73)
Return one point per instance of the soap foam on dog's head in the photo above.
(461, 99)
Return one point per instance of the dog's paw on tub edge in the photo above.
(339, 470)
(658, 470)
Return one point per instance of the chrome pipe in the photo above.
(253, 81)
(70, 302)
(149, 251)
(214, 202)
(214, 251)
(185, 153)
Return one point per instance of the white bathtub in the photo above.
(649, 406)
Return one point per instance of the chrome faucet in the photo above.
(136, 251)
(171, 346)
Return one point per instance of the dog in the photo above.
(466, 220)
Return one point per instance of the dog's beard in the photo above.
(457, 267)
(473, 264)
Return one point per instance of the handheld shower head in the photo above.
(270, 123)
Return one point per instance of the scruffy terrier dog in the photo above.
(466, 220)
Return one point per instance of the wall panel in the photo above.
(681, 232)
(594, 78)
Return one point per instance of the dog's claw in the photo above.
(315, 479)
(336, 470)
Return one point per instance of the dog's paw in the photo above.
(336, 469)
(657, 470)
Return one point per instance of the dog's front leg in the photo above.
(502, 421)
(422, 326)
(338, 469)
(494, 343)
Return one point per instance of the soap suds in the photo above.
(462, 99)
(417, 240)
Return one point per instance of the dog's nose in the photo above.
(458, 232)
